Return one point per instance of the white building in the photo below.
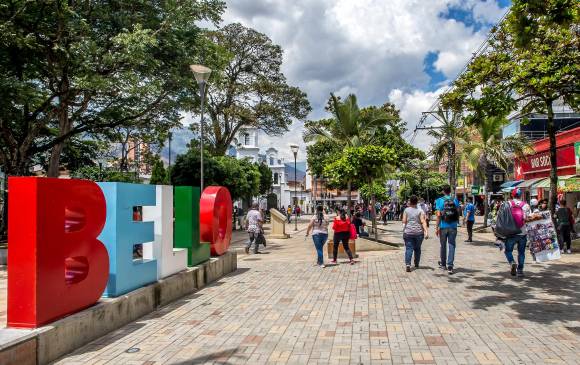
(247, 146)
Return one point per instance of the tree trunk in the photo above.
(374, 215)
(488, 188)
(349, 196)
(553, 164)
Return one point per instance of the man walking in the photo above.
(520, 212)
(447, 210)
(565, 223)
(254, 222)
(469, 218)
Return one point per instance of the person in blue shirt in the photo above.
(469, 218)
(447, 210)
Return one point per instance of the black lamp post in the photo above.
(294, 148)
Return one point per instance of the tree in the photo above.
(349, 127)
(266, 178)
(447, 135)
(158, 174)
(250, 91)
(486, 148)
(533, 59)
(95, 173)
(241, 177)
(186, 170)
(377, 189)
(366, 163)
(79, 68)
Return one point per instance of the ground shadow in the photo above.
(220, 357)
(545, 296)
(239, 271)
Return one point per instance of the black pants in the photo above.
(341, 237)
(566, 236)
(470, 230)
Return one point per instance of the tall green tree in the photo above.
(533, 59)
(486, 149)
(349, 127)
(250, 90)
(366, 163)
(159, 174)
(449, 132)
(71, 68)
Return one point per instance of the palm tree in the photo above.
(448, 135)
(485, 148)
(349, 127)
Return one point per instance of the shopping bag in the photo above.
(352, 232)
(542, 237)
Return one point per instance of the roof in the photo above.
(529, 183)
(511, 184)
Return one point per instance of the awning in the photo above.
(531, 182)
(546, 183)
(508, 186)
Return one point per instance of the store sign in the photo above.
(475, 190)
(540, 162)
(72, 241)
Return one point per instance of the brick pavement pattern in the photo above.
(279, 308)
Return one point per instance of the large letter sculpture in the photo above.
(122, 233)
(215, 215)
(56, 265)
(187, 225)
(169, 260)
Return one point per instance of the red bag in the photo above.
(353, 235)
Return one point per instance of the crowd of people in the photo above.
(415, 215)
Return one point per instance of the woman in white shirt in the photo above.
(319, 227)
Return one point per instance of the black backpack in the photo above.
(450, 213)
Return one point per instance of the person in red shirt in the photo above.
(341, 228)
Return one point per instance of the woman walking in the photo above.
(414, 231)
(341, 228)
(319, 227)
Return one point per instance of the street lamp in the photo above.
(294, 148)
(169, 137)
(201, 74)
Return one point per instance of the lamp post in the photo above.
(169, 136)
(201, 74)
(294, 148)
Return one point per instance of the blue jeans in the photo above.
(510, 242)
(412, 244)
(447, 236)
(319, 241)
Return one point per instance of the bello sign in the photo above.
(72, 241)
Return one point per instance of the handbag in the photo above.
(352, 232)
(260, 239)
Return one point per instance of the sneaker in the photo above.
(568, 251)
(450, 271)
(408, 268)
(351, 262)
(520, 274)
(441, 266)
(333, 261)
(513, 269)
(247, 249)
(322, 266)
(416, 266)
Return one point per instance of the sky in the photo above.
(402, 51)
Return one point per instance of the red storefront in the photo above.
(538, 165)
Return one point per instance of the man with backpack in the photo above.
(510, 225)
(447, 210)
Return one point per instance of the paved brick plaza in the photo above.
(279, 308)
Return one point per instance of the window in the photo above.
(279, 162)
(275, 178)
(271, 160)
(246, 139)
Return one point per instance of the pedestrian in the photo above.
(289, 213)
(254, 223)
(298, 211)
(565, 221)
(319, 227)
(447, 209)
(414, 231)
(520, 212)
(235, 211)
(359, 225)
(241, 217)
(469, 218)
(341, 228)
(425, 208)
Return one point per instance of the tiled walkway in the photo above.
(279, 308)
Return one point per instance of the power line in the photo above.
(481, 49)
